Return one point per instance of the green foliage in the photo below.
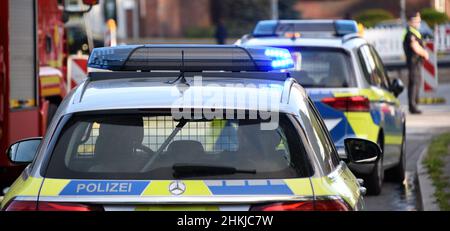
(373, 16)
(199, 32)
(435, 163)
(433, 17)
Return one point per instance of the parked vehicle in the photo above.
(120, 142)
(349, 85)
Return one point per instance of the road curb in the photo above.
(426, 187)
(432, 100)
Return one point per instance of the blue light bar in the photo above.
(190, 58)
(282, 58)
(283, 64)
(265, 28)
(278, 53)
(306, 28)
(344, 27)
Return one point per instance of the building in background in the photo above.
(340, 8)
(178, 18)
(124, 12)
(172, 18)
(150, 18)
(442, 6)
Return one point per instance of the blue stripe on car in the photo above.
(251, 189)
(90, 187)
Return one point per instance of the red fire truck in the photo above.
(33, 67)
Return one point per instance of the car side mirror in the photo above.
(361, 151)
(24, 151)
(397, 87)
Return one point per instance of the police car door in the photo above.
(389, 108)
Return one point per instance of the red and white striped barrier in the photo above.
(76, 70)
(430, 69)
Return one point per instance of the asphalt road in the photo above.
(397, 197)
(420, 130)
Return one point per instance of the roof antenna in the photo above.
(181, 84)
(181, 78)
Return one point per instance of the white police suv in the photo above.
(348, 83)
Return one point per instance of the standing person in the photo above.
(221, 32)
(415, 53)
(348, 16)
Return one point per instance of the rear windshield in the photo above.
(156, 146)
(322, 67)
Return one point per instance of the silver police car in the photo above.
(187, 128)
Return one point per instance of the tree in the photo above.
(370, 18)
(433, 17)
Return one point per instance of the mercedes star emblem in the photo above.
(177, 187)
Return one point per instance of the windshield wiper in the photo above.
(166, 142)
(187, 170)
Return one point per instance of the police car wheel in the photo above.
(374, 181)
(397, 174)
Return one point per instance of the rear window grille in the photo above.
(215, 136)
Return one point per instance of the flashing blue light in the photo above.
(278, 53)
(282, 58)
(283, 64)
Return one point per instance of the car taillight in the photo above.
(21, 206)
(51, 206)
(349, 104)
(331, 205)
(319, 205)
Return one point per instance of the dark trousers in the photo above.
(414, 83)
